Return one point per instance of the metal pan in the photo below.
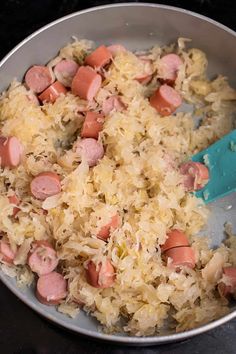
(137, 26)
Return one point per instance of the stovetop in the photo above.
(22, 331)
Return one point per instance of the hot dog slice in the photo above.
(99, 57)
(101, 277)
(38, 78)
(10, 151)
(169, 67)
(196, 175)
(176, 238)
(52, 92)
(13, 199)
(6, 253)
(51, 288)
(86, 83)
(45, 184)
(105, 231)
(180, 256)
(43, 258)
(115, 49)
(90, 150)
(146, 76)
(92, 125)
(227, 286)
(65, 71)
(113, 103)
(166, 100)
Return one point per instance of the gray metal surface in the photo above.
(137, 26)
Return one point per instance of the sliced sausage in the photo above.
(169, 67)
(52, 92)
(51, 288)
(65, 71)
(43, 258)
(6, 253)
(38, 78)
(99, 57)
(227, 286)
(92, 125)
(165, 100)
(102, 276)
(115, 49)
(105, 231)
(113, 103)
(13, 199)
(180, 256)
(90, 150)
(176, 238)
(10, 151)
(86, 83)
(196, 175)
(146, 76)
(45, 184)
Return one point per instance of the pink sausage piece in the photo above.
(165, 100)
(101, 277)
(92, 125)
(10, 151)
(99, 57)
(38, 78)
(51, 288)
(196, 175)
(176, 238)
(65, 71)
(145, 77)
(52, 92)
(104, 232)
(13, 199)
(45, 184)
(113, 103)
(6, 253)
(86, 83)
(91, 150)
(115, 49)
(169, 67)
(181, 256)
(43, 258)
(229, 288)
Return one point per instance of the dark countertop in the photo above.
(22, 331)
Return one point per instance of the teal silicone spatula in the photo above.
(220, 158)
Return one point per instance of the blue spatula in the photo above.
(220, 158)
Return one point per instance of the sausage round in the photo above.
(115, 49)
(90, 150)
(196, 175)
(43, 258)
(176, 238)
(86, 83)
(51, 288)
(92, 125)
(228, 288)
(145, 77)
(169, 66)
(38, 78)
(65, 71)
(104, 232)
(10, 151)
(102, 276)
(180, 256)
(45, 184)
(52, 92)
(165, 100)
(13, 199)
(6, 253)
(113, 103)
(99, 57)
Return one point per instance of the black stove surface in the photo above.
(22, 331)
